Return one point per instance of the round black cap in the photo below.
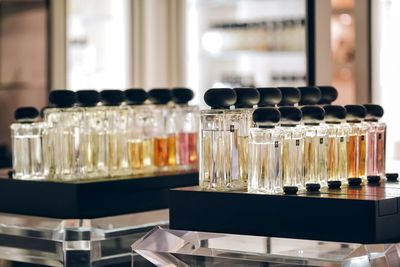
(26, 113)
(334, 112)
(392, 176)
(334, 184)
(160, 96)
(246, 97)
(354, 181)
(290, 114)
(373, 179)
(220, 97)
(135, 96)
(328, 94)
(355, 112)
(310, 95)
(87, 98)
(112, 97)
(374, 111)
(266, 115)
(290, 96)
(269, 96)
(62, 98)
(313, 113)
(181, 95)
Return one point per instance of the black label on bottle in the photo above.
(321, 141)
(297, 142)
(341, 139)
(276, 144)
(232, 128)
(380, 136)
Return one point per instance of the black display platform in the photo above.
(367, 214)
(91, 198)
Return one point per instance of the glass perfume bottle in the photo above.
(265, 152)
(309, 95)
(27, 149)
(115, 128)
(140, 145)
(290, 96)
(356, 144)
(163, 129)
(213, 137)
(292, 150)
(238, 122)
(92, 146)
(328, 95)
(376, 142)
(187, 124)
(315, 144)
(61, 136)
(338, 134)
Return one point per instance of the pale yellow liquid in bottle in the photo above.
(342, 158)
(310, 164)
(332, 159)
(243, 153)
(206, 159)
(136, 154)
(286, 175)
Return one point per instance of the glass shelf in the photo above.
(164, 247)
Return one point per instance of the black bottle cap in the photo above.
(290, 114)
(135, 96)
(269, 96)
(392, 176)
(373, 179)
(160, 96)
(181, 95)
(112, 97)
(87, 98)
(26, 113)
(313, 187)
(374, 111)
(290, 190)
(334, 113)
(355, 112)
(310, 95)
(246, 97)
(268, 115)
(313, 113)
(354, 181)
(62, 98)
(290, 96)
(220, 98)
(328, 94)
(334, 184)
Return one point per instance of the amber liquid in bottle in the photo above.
(332, 156)
(380, 152)
(171, 150)
(160, 152)
(352, 156)
(362, 155)
(140, 153)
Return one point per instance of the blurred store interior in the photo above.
(100, 44)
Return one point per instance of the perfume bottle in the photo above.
(214, 155)
(290, 96)
(310, 95)
(338, 134)
(61, 136)
(315, 144)
(115, 128)
(162, 130)
(269, 96)
(140, 145)
(356, 144)
(328, 95)
(376, 145)
(238, 122)
(91, 162)
(265, 152)
(187, 124)
(27, 149)
(292, 149)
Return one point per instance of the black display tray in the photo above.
(91, 198)
(366, 214)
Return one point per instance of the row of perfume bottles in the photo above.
(88, 134)
(308, 146)
(280, 35)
